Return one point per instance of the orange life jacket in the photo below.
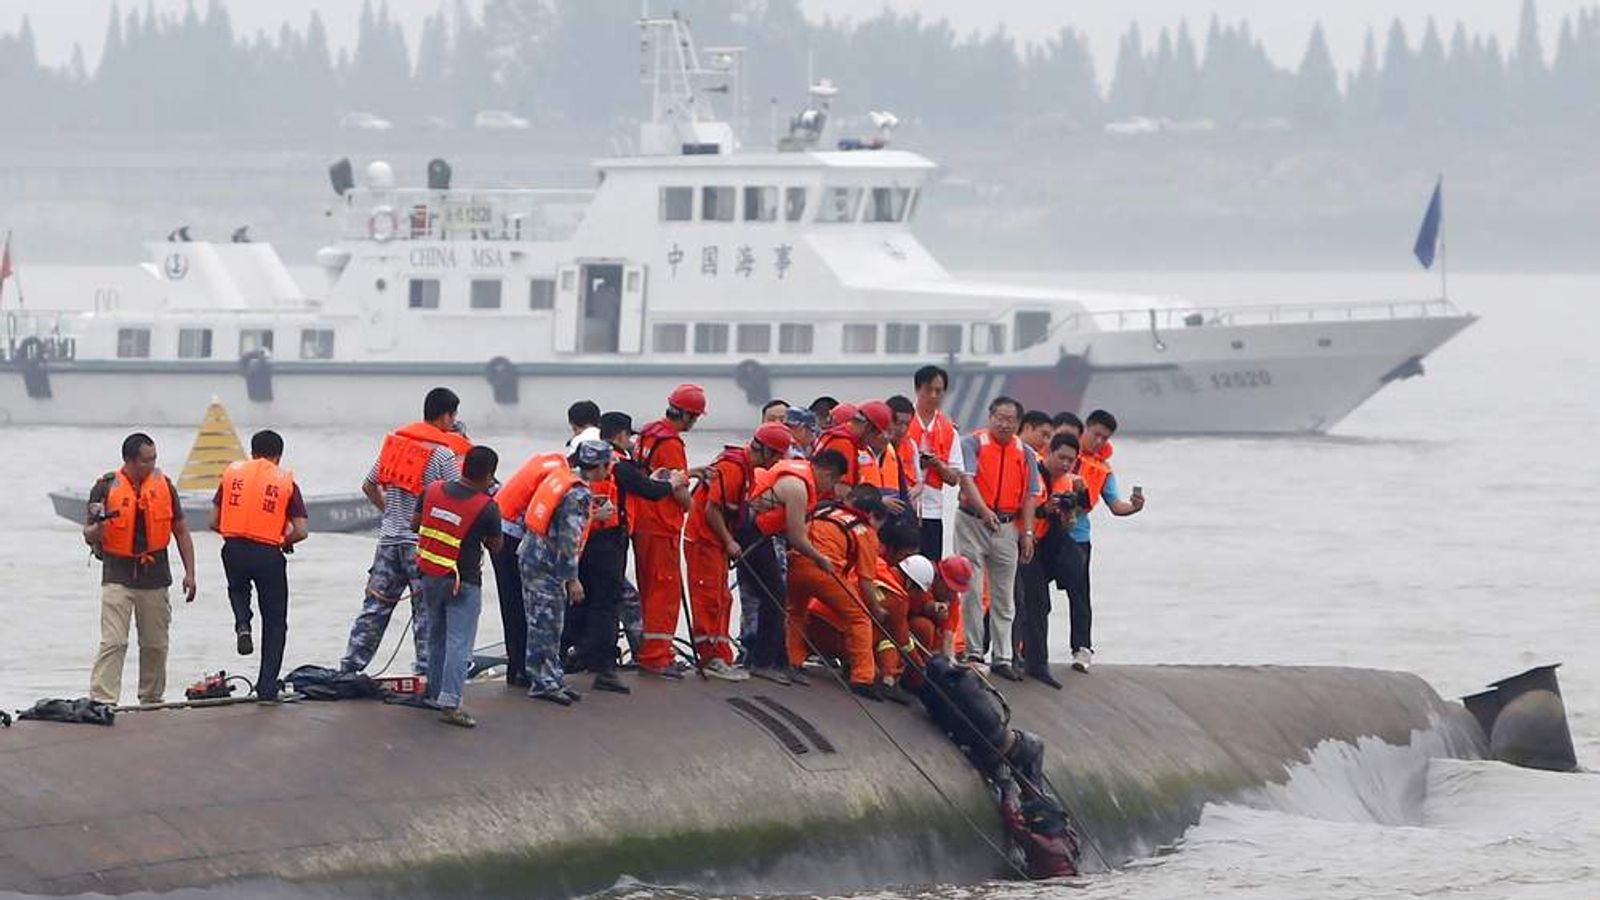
(665, 512)
(1061, 484)
(895, 474)
(1094, 471)
(608, 490)
(936, 439)
(843, 440)
(443, 526)
(852, 524)
(515, 494)
(152, 501)
(405, 453)
(547, 499)
(1002, 477)
(771, 521)
(732, 462)
(255, 501)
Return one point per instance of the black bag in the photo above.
(82, 710)
(322, 683)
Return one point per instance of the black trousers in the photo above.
(1072, 574)
(761, 582)
(601, 570)
(513, 615)
(248, 564)
(933, 539)
(1032, 629)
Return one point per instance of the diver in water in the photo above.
(975, 716)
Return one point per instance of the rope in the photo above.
(403, 632)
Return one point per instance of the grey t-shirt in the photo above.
(400, 505)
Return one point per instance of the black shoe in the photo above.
(245, 644)
(1005, 671)
(608, 681)
(572, 695)
(870, 691)
(559, 698)
(897, 694)
(519, 681)
(798, 676)
(1045, 678)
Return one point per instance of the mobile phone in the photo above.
(1138, 490)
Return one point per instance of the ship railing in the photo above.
(37, 336)
(1163, 318)
(465, 215)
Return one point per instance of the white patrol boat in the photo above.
(790, 272)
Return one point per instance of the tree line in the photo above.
(577, 63)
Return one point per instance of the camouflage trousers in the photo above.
(392, 576)
(631, 614)
(544, 597)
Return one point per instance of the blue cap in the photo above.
(593, 453)
(800, 418)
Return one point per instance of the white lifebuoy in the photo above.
(383, 225)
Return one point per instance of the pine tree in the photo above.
(1130, 85)
(1316, 104)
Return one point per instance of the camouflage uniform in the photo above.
(547, 563)
(631, 614)
(393, 573)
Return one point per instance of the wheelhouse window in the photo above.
(670, 337)
(485, 293)
(253, 339)
(888, 204)
(902, 337)
(194, 343)
(944, 339)
(754, 338)
(542, 293)
(677, 204)
(860, 339)
(1033, 327)
(794, 204)
(718, 204)
(133, 343)
(839, 204)
(760, 204)
(423, 293)
(795, 338)
(988, 338)
(710, 337)
(316, 343)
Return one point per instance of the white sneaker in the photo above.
(719, 669)
(1081, 658)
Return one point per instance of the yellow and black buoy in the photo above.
(216, 445)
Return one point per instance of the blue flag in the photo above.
(1428, 235)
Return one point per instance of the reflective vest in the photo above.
(405, 453)
(1002, 477)
(840, 438)
(771, 521)
(443, 526)
(732, 463)
(152, 502)
(255, 501)
(1094, 471)
(547, 499)
(666, 510)
(935, 439)
(514, 495)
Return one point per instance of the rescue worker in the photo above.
(1094, 467)
(720, 507)
(774, 411)
(859, 438)
(938, 454)
(803, 428)
(511, 500)
(822, 408)
(455, 521)
(1060, 498)
(1032, 588)
(897, 541)
(897, 473)
(995, 528)
(261, 515)
(658, 531)
(133, 516)
(410, 459)
(782, 499)
(602, 569)
(846, 534)
(558, 520)
(935, 616)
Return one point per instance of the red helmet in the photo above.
(956, 572)
(842, 413)
(878, 414)
(691, 398)
(775, 437)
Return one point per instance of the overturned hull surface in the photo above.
(741, 786)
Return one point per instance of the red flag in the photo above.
(5, 263)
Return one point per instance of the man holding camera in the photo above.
(1094, 467)
(1061, 497)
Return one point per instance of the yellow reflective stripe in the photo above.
(439, 536)
(886, 644)
(436, 559)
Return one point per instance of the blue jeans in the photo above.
(454, 620)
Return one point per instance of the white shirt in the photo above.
(588, 434)
(933, 499)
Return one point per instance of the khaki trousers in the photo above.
(993, 554)
(151, 613)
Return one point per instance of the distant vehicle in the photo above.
(436, 123)
(360, 121)
(499, 120)
(1134, 125)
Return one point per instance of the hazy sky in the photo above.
(1282, 24)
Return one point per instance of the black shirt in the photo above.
(126, 571)
(633, 480)
(470, 562)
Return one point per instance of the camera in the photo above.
(104, 516)
(1072, 501)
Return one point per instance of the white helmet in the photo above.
(919, 570)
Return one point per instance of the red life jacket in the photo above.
(735, 505)
(1094, 471)
(443, 526)
(405, 453)
(841, 439)
(664, 515)
(936, 439)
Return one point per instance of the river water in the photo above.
(1447, 528)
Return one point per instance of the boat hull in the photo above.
(324, 514)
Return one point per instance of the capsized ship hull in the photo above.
(735, 786)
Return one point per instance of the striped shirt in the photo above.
(400, 506)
